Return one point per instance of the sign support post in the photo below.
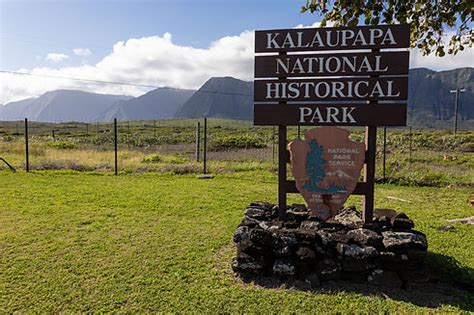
(369, 173)
(282, 160)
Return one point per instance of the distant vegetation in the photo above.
(437, 158)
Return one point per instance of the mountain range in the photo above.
(225, 97)
(61, 105)
(430, 102)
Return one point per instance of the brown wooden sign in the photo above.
(333, 38)
(354, 78)
(330, 115)
(318, 65)
(342, 89)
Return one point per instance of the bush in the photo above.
(62, 145)
(237, 142)
(8, 138)
(152, 158)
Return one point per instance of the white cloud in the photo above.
(82, 52)
(158, 61)
(462, 59)
(56, 57)
(155, 61)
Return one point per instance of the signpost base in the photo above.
(205, 176)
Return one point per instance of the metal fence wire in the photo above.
(198, 146)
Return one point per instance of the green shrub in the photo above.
(152, 158)
(8, 138)
(62, 145)
(246, 141)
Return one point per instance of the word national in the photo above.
(330, 64)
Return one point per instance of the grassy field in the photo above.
(74, 238)
(420, 157)
(89, 241)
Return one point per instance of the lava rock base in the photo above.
(305, 250)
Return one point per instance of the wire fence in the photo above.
(177, 146)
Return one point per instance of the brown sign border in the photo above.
(363, 114)
(397, 63)
(399, 83)
(401, 33)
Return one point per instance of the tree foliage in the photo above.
(429, 19)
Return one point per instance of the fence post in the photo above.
(198, 141)
(115, 146)
(384, 151)
(27, 152)
(205, 148)
(409, 158)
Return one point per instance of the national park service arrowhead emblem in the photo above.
(326, 166)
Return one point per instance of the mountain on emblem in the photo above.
(339, 173)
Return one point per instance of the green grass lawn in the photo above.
(80, 242)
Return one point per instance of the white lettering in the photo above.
(374, 34)
(317, 116)
(357, 89)
(271, 40)
(346, 115)
(288, 42)
(390, 88)
(274, 90)
(300, 40)
(388, 36)
(378, 63)
(331, 113)
(317, 89)
(346, 34)
(293, 88)
(304, 111)
(280, 63)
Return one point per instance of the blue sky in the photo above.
(35, 28)
(156, 43)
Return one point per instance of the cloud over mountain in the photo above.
(152, 60)
(158, 61)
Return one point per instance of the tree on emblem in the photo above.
(315, 166)
(315, 170)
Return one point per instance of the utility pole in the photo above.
(456, 106)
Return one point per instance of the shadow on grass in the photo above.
(448, 283)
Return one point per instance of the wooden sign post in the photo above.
(362, 85)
